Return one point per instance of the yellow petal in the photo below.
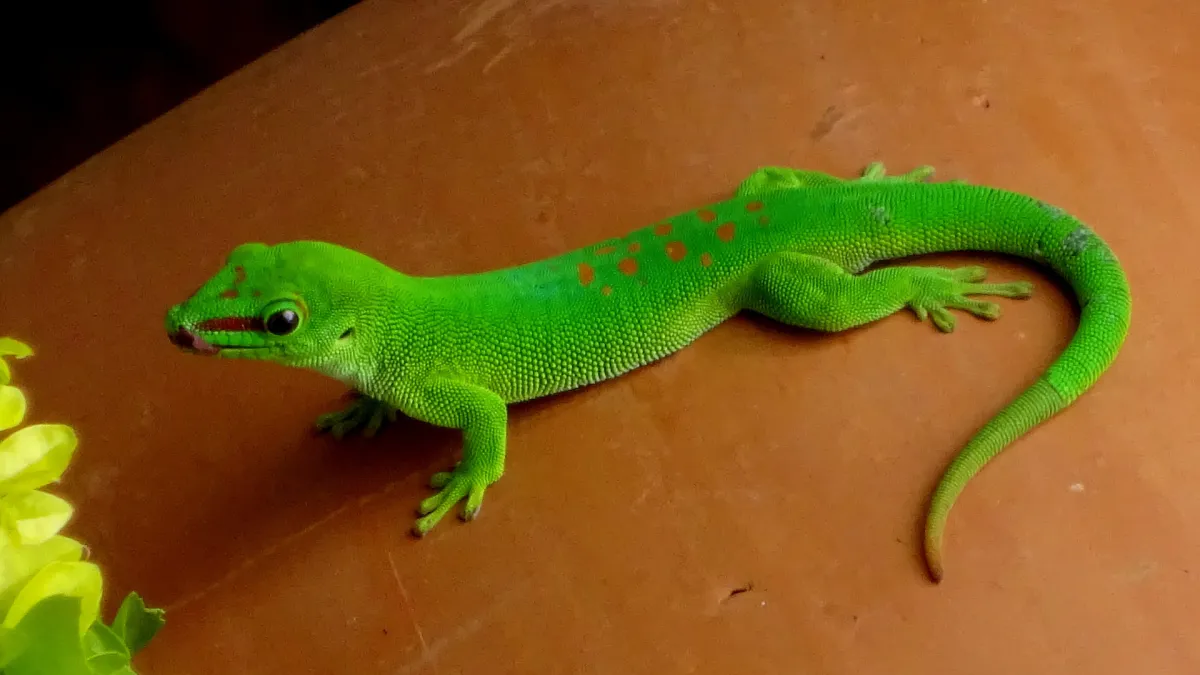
(14, 348)
(74, 579)
(31, 517)
(19, 563)
(35, 456)
(12, 407)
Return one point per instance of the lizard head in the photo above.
(283, 303)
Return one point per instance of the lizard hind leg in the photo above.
(875, 173)
(816, 293)
(770, 178)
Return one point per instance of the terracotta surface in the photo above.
(445, 137)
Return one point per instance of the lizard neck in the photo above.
(396, 323)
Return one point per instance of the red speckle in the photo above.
(607, 290)
(239, 274)
(706, 259)
(754, 206)
(231, 323)
(663, 229)
(635, 247)
(628, 266)
(229, 294)
(763, 220)
(725, 232)
(587, 274)
(676, 251)
(605, 250)
(706, 215)
(256, 293)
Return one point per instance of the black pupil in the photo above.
(282, 322)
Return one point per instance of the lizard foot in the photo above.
(452, 486)
(938, 290)
(875, 173)
(365, 412)
(769, 178)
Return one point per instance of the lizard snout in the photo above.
(187, 340)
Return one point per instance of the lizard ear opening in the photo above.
(348, 332)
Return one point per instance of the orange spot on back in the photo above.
(663, 229)
(706, 215)
(587, 274)
(635, 247)
(628, 266)
(607, 290)
(706, 259)
(605, 250)
(676, 250)
(725, 232)
(763, 219)
(754, 206)
(229, 294)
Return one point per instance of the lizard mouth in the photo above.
(190, 342)
(193, 343)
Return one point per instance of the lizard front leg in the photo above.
(482, 416)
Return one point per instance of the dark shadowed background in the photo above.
(79, 77)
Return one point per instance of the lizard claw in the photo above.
(941, 290)
(875, 172)
(453, 486)
(363, 412)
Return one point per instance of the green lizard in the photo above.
(793, 245)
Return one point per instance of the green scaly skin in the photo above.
(793, 245)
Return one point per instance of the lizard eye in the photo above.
(282, 322)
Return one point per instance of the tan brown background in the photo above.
(456, 136)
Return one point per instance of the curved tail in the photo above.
(1011, 223)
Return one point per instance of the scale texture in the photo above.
(792, 245)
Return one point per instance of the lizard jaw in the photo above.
(190, 342)
(194, 344)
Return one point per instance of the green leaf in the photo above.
(104, 650)
(19, 563)
(14, 348)
(12, 406)
(35, 456)
(12, 643)
(136, 624)
(47, 637)
(81, 580)
(31, 517)
(10, 347)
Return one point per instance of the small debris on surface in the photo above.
(742, 589)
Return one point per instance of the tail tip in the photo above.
(935, 572)
(933, 559)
